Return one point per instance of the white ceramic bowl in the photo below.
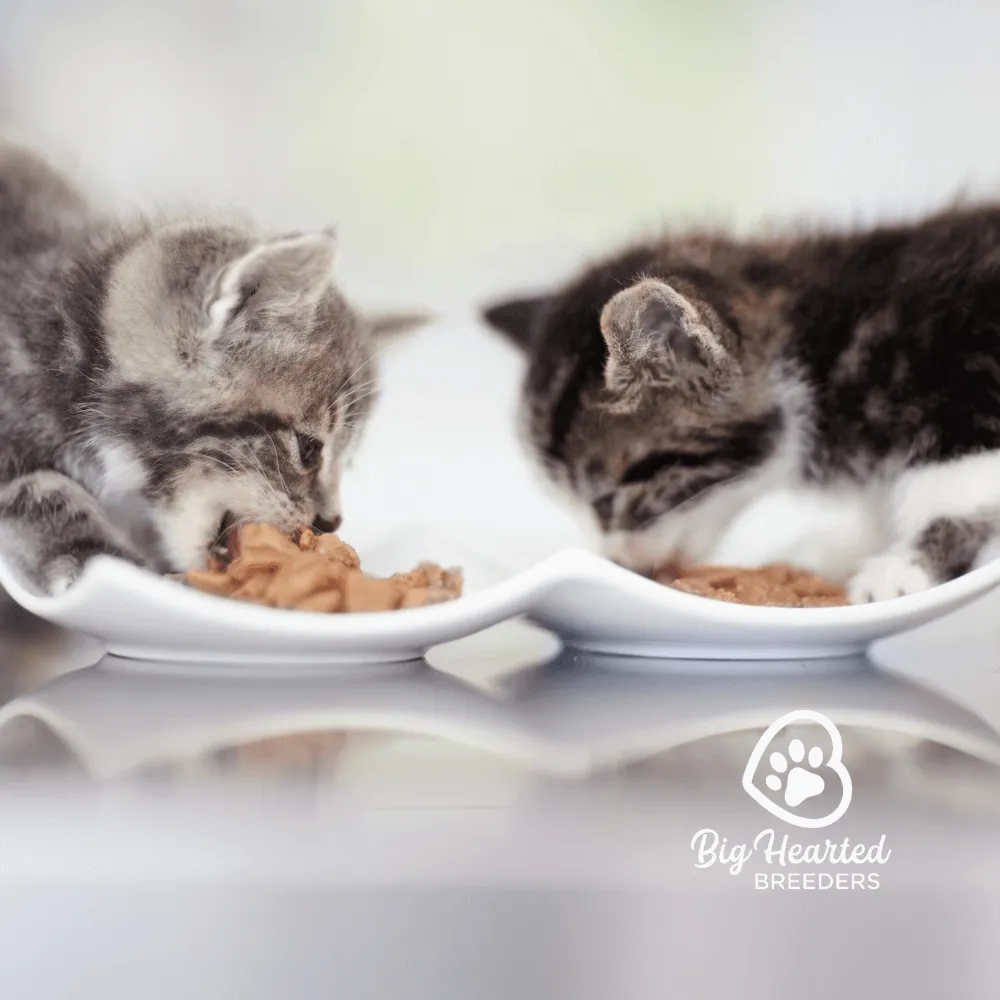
(588, 601)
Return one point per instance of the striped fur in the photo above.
(673, 384)
(159, 375)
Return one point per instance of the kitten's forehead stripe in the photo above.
(657, 461)
(248, 426)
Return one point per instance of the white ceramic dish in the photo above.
(589, 602)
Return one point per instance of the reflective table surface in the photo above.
(506, 818)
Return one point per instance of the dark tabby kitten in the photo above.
(674, 383)
(160, 380)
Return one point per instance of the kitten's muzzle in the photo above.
(638, 554)
(322, 526)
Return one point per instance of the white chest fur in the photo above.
(122, 472)
(828, 531)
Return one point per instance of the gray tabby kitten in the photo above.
(162, 380)
(671, 385)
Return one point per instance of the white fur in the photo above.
(123, 473)
(965, 487)
(16, 356)
(329, 476)
(187, 525)
(826, 531)
(109, 470)
(692, 532)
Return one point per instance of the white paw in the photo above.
(885, 577)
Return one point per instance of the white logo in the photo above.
(793, 774)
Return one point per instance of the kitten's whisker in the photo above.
(259, 466)
(351, 396)
(360, 385)
(277, 460)
(240, 470)
(241, 467)
(361, 399)
(368, 361)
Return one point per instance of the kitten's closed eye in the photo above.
(310, 451)
(654, 463)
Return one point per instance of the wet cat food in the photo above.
(310, 572)
(776, 585)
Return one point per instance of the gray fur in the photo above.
(155, 376)
(949, 547)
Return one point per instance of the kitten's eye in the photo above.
(310, 451)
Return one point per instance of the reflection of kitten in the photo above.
(159, 379)
(673, 384)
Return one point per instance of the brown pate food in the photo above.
(310, 572)
(774, 585)
(306, 571)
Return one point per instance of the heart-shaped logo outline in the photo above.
(835, 763)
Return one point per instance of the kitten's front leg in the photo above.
(945, 518)
(50, 526)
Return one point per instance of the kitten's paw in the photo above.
(885, 577)
(60, 574)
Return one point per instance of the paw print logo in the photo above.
(796, 778)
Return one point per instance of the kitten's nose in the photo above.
(323, 526)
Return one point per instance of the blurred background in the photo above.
(467, 150)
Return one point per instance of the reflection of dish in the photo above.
(590, 602)
(116, 719)
(617, 716)
(580, 715)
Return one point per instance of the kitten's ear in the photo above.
(291, 270)
(387, 327)
(655, 336)
(515, 319)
